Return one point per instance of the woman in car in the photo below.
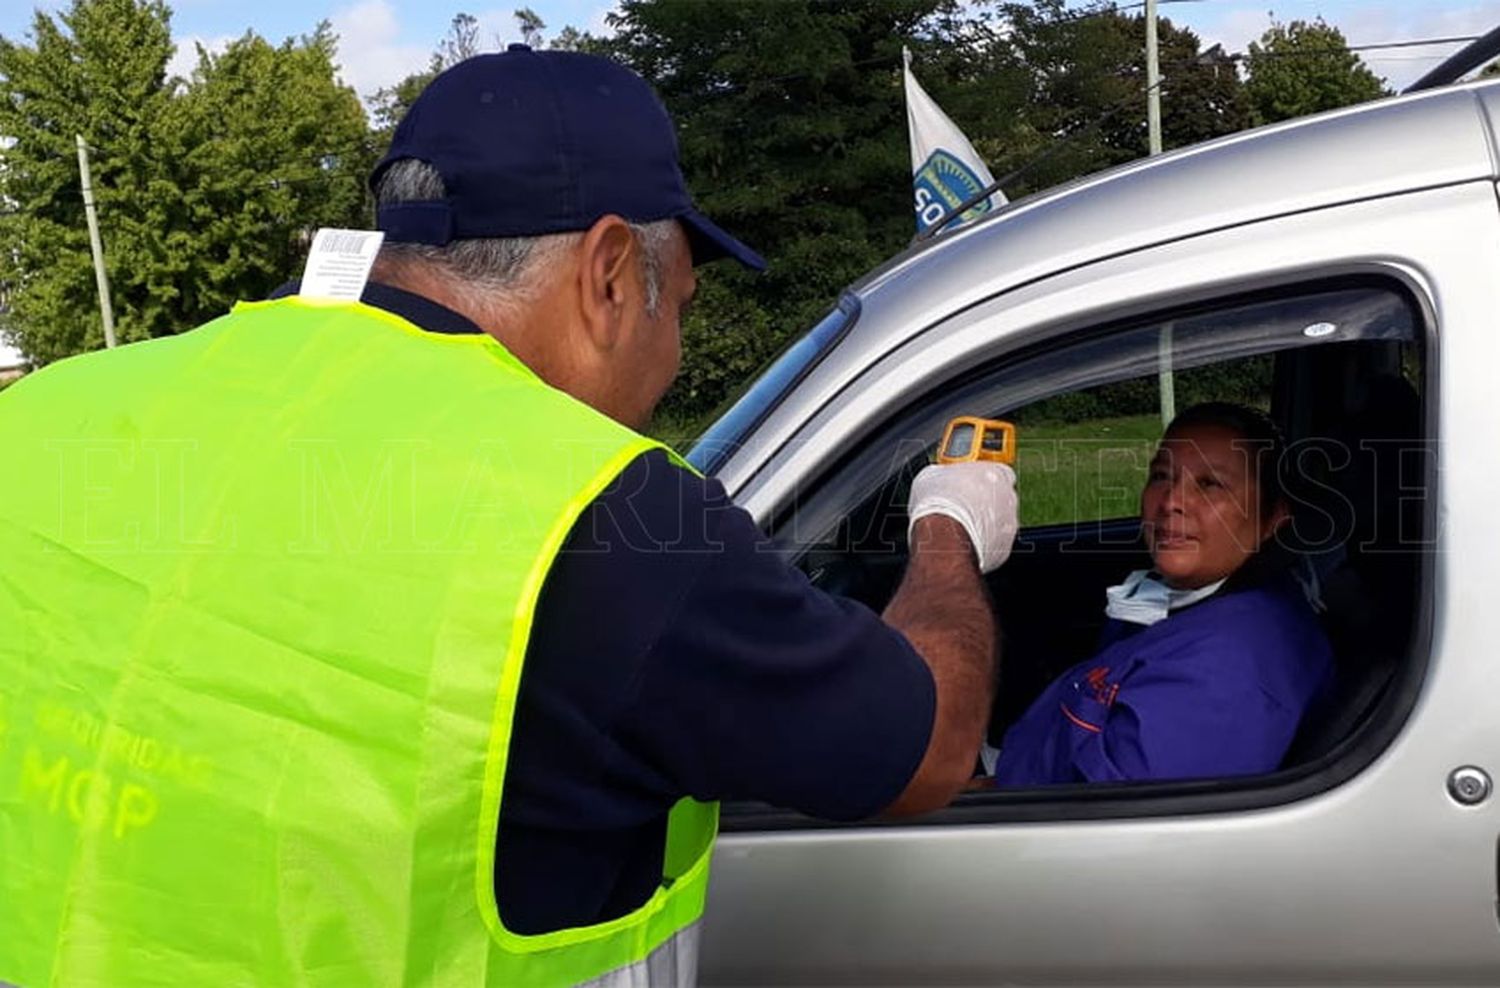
(1211, 657)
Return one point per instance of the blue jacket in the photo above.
(1215, 689)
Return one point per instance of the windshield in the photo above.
(750, 409)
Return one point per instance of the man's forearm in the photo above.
(944, 610)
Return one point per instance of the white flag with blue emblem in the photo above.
(946, 170)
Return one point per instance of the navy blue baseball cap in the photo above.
(537, 142)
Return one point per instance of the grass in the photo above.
(1081, 471)
(1068, 471)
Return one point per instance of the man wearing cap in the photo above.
(368, 642)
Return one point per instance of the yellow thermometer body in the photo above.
(967, 439)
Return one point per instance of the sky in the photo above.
(382, 41)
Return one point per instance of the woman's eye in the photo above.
(1157, 475)
(1209, 483)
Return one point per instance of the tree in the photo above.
(392, 102)
(461, 41)
(1085, 107)
(793, 132)
(793, 135)
(266, 147)
(100, 73)
(572, 39)
(530, 26)
(1306, 67)
(205, 192)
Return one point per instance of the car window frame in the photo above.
(1188, 797)
(744, 412)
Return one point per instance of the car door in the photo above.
(1359, 867)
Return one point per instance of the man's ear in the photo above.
(609, 279)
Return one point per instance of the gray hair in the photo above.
(503, 269)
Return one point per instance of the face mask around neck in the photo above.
(1144, 599)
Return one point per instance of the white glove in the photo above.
(980, 496)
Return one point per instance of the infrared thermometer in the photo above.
(968, 439)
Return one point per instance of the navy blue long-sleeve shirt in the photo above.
(673, 654)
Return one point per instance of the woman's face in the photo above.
(1200, 509)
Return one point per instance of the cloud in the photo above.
(185, 59)
(371, 55)
(497, 28)
(598, 25)
(1234, 29)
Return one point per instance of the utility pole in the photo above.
(1165, 382)
(96, 245)
(1153, 80)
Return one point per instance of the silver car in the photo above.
(1345, 269)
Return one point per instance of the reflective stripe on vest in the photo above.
(672, 965)
(265, 594)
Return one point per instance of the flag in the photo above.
(946, 170)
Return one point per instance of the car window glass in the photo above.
(1342, 369)
(1069, 387)
(1085, 453)
(747, 410)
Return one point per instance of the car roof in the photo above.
(1402, 144)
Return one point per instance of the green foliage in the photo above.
(530, 26)
(1306, 67)
(793, 132)
(723, 351)
(1247, 381)
(206, 188)
(392, 102)
(461, 42)
(793, 136)
(1085, 77)
(572, 39)
(99, 73)
(266, 148)
(791, 119)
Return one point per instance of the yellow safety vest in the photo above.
(265, 595)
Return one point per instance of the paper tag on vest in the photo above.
(339, 264)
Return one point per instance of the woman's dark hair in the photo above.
(1259, 433)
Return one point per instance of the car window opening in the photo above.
(1338, 370)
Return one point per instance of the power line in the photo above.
(1325, 52)
(999, 184)
(1463, 39)
(1062, 143)
(1407, 58)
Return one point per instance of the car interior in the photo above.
(1340, 368)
